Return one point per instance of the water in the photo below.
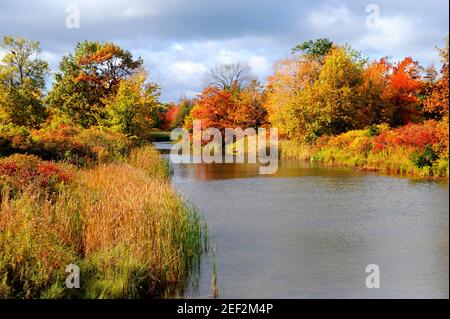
(310, 231)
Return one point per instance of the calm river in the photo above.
(309, 231)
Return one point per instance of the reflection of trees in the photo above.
(206, 172)
(286, 168)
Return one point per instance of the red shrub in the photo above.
(20, 173)
(416, 136)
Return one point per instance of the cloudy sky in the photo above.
(180, 39)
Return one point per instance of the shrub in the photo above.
(66, 143)
(19, 173)
(426, 158)
(14, 139)
(419, 149)
(416, 136)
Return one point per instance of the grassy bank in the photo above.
(120, 221)
(414, 149)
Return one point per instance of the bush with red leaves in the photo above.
(411, 136)
(27, 173)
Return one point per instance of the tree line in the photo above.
(322, 88)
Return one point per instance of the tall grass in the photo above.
(122, 223)
(294, 149)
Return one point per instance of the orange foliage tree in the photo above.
(376, 108)
(229, 108)
(215, 108)
(437, 101)
(404, 84)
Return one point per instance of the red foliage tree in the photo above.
(404, 83)
(215, 108)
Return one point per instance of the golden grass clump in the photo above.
(122, 223)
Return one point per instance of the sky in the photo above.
(180, 40)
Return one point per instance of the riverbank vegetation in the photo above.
(414, 149)
(80, 185)
(334, 106)
(122, 223)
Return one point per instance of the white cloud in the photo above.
(391, 32)
(399, 36)
(260, 66)
(329, 16)
(105, 9)
(185, 71)
(395, 34)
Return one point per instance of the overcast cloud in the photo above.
(180, 39)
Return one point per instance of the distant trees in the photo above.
(174, 115)
(321, 89)
(228, 76)
(22, 81)
(230, 108)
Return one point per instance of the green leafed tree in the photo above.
(22, 82)
(88, 78)
(133, 110)
(315, 49)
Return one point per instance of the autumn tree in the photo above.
(170, 116)
(316, 99)
(402, 91)
(177, 113)
(291, 76)
(376, 107)
(230, 108)
(215, 108)
(229, 76)
(335, 94)
(250, 111)
(185, 105)
(22, 81)
(89, 77)
(132, 110)
(437, 102)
